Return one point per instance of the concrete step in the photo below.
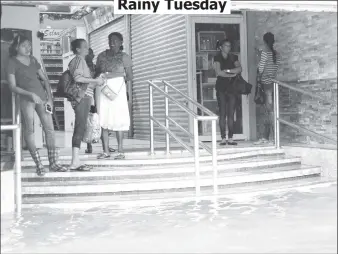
(168, 184)
(148, 170)
(142, 158)
(245, 190)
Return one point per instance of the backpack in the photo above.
(68, 88)
(64, 82)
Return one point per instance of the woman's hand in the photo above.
(99, 81)
(50, 103)
(36, 99)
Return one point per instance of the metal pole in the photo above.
(167, 137)
(151, 114)
(18, 192)
(277, 116)
(197, 158)
(275, 112)
(214, 155)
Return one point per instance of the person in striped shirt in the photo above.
(267, 71)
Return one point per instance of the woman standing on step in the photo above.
(81, 74)
(226, 66)
(115, 65)
(267, 70)
(24, 75)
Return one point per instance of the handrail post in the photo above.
(214, 155)
(276, 114)
(18, 190)
(151, 115)
(197, 159)
(166, 102)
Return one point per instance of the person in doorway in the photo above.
(115, 65)
(267, 70)
(24, 72)
(226, 66)
(82, 75)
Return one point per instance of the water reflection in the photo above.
(284, 222)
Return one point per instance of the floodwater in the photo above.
(289, 222)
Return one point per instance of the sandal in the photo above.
(112, 150)
(81, 168)
(120, 156)
(103, 156)
(40, 170)
(232, 143)
(58, 168)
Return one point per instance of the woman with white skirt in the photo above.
(112, 103)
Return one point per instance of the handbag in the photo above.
(68, 88)
(93, 129)
(241, 86)
(260, 95)
(110, 93)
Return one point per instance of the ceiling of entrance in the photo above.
(60, 12)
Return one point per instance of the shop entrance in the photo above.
(206, 31)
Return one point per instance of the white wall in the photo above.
(25, 17)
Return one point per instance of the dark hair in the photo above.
(6, 35)
(90, 50)
(76, 44)
(220, 43)
(269, 39)
(118, 35)
(18, 40)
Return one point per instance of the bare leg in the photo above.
(119, 136)
(75, 157)
(105, 140)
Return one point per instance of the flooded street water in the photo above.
(290, 222)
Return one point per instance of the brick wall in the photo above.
(307, 43)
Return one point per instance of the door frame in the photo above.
(191, 46)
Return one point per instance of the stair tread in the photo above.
(169, 179)
(159, 197)
(122, 168)
(147, 160)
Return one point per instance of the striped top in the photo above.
(267, 67)
(81, 69)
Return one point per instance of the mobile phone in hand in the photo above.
(49, 109)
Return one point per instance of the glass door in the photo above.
(206, 32)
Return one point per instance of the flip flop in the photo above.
(112, 150)
(81, 168)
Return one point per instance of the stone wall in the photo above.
(307, 43)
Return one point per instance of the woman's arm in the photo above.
(46, 85)
(237, 69)
(219, 72)
(262, 62)
(78, 72)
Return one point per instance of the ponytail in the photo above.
(274, 53)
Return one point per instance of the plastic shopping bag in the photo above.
(93, 129)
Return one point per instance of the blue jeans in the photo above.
(27, 114)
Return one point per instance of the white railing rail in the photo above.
(278, 120)
(195, 136)
(16, 128)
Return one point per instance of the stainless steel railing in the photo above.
(166, 127)
(16, 128)
(278, 120)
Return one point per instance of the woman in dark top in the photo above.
(24, 72)
(226, 66)
(89, 60)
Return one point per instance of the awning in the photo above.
(313, 6)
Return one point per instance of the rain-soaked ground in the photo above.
(291, 222)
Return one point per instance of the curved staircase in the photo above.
(155, 177)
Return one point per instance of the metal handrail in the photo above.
(278, 120)
(16, 127)
(196, 151)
